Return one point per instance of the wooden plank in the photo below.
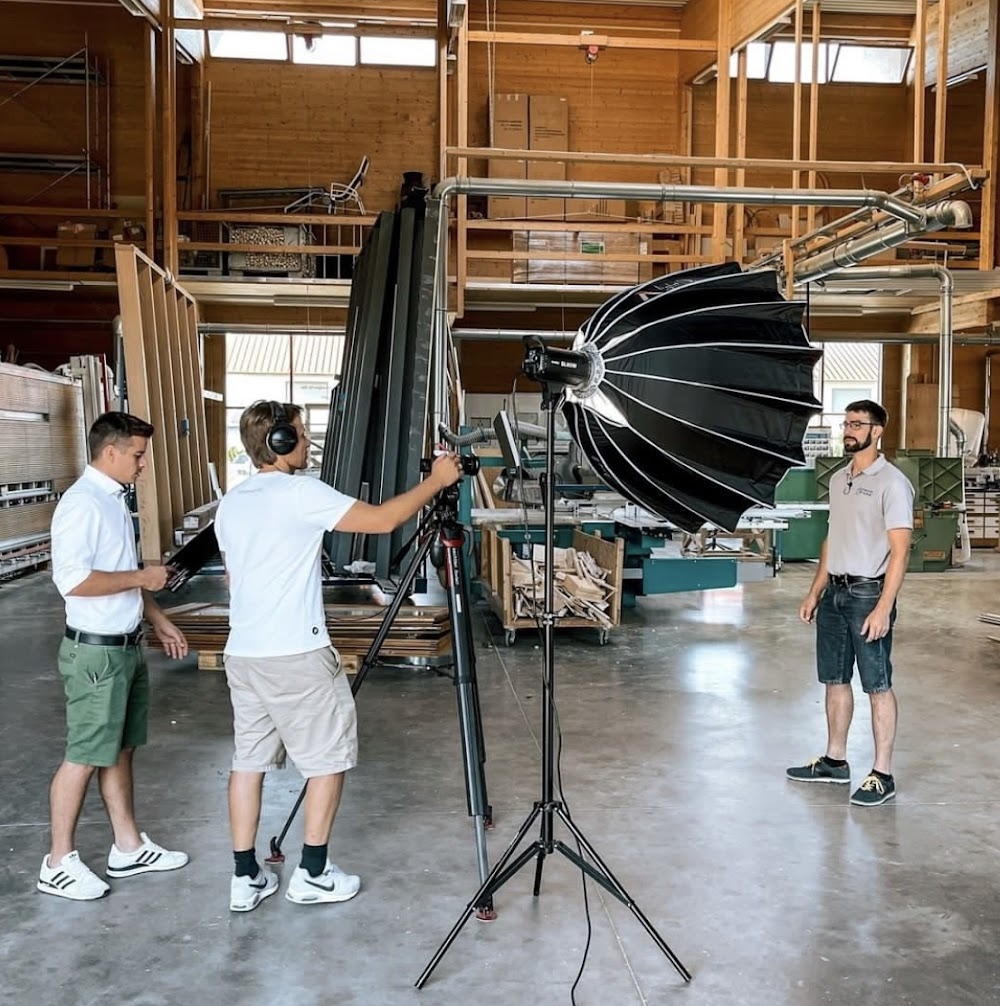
(159, 378)
(193, 385)
(606, 41)
(462, 136)
(168, 135)
(180, 403)
(941, 79)
(919, 79)
(149, 121)
(722, 92)
(135, 313)
(739, 212)
(813, 112)
(989, 248)
(237, 216)
(797, 113)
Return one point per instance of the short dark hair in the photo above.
(115, 428)
(875, 412)
(257, 421)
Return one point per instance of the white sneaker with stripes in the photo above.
(71, 878)
(148, 858)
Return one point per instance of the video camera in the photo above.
(470, 464)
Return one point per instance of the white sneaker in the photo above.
(72, 878)
(148, 858)
(246, 894)
(331, 885)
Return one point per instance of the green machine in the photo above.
(937, 487)
(805, 535)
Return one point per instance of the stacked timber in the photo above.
(583, 588)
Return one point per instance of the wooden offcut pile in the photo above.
(582, 587)
(415, 631)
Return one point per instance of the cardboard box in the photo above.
(508, 131)
(558, 269)
(548, 117)
(78, 257)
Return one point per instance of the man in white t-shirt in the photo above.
(288, 691)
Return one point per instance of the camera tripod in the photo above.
(441, 523)
(548, 808)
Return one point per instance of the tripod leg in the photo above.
(498, 876)
(610, 883)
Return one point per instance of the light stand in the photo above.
(441, 522)
(549, 808)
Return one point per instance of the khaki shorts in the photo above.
(107, 701)
(300, 704)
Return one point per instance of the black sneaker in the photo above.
(819, 771)
(873, 791)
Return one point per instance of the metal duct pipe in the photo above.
(951, 213)
(913, 220)
(945, 339)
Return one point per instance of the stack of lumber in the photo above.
(583, 588)
(415, 632)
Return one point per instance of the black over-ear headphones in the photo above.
(282, 437)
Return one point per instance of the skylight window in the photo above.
(782, 66)
(325, 50)
(248, 45)
(868, 64)
(758, 54)
(388, 51)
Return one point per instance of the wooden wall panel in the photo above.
(164, 379)
(279, 124)
(967, 37)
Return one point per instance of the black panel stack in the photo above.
(378, 417)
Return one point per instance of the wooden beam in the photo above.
(739, 214)
(581, 41)
(941, 103)
(149, 145)
(989, 252)
(813, 113)
(919, 79)
(442, 81)
(797, 113)
(722, 89)
(168, 135)
(462, 131)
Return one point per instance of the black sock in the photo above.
(834, 762)
(313, 859)
(882, 775)
(246, 863)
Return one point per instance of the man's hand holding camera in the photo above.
(446, 470)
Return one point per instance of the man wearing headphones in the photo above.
(288, 692)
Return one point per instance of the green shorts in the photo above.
(107, 701)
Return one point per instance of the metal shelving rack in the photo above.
(80, 69)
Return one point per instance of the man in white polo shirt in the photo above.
(95, 568)
(853, 601)
(288, 691)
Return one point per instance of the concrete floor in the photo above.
(675, 740)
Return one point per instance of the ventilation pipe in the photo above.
(912, 221)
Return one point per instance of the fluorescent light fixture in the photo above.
(456, 13)
(54, 286)
(135, 8)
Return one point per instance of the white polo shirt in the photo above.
(92, 530)
(270, 530)
(862, 512)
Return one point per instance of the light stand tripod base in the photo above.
(548, 808)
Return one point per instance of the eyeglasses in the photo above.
(854, 424)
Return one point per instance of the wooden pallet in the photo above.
(212, 660)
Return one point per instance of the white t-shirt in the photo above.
(270, 531)
(92, 530)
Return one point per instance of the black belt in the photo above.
(123, 639)
(845, 579)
